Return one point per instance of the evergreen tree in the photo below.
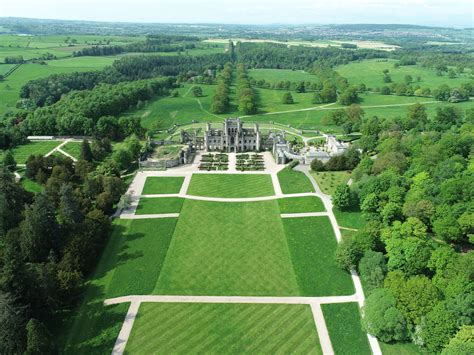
(69, 213)
(39, 229)
(38, 338)
(12, 199)
(9, 161)
(86, 152)
(12, 325)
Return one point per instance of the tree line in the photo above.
(89, 111)
(48, 90)
(221, 99)
(246, 96)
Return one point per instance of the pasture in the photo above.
(370, 73)
(231, 185)
(184, 328)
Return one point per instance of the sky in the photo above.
(448, 13)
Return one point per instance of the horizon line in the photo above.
(243, 23)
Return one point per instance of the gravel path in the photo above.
(305, 214)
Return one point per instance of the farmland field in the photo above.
(231, 185)
(183, 328)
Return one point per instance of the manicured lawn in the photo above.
(231, 185)
(329, 180)
(312, 246)
(349, 219)
(162, 185)
(130, 265)
(400, 349)
(292, 182)
(345, 331)
(301, 204)
(222, 248)
(22, 152)
(193, 328)
(159, 205)
(73, 148)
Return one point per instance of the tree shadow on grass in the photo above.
(93, 327)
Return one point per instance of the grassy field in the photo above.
(4, 68)
(301, 204)
(159, 205)
(329, 180)
(73, 148)
(277, 75)
(349, 219)
(343, 323)
(22, 152)
(228, 249)
(292, 181)
(312, 245)
(180, 328)
(162, 185)
(130, 264)
(370, 72)
(231, 185)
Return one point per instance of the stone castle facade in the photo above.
(233, 137)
